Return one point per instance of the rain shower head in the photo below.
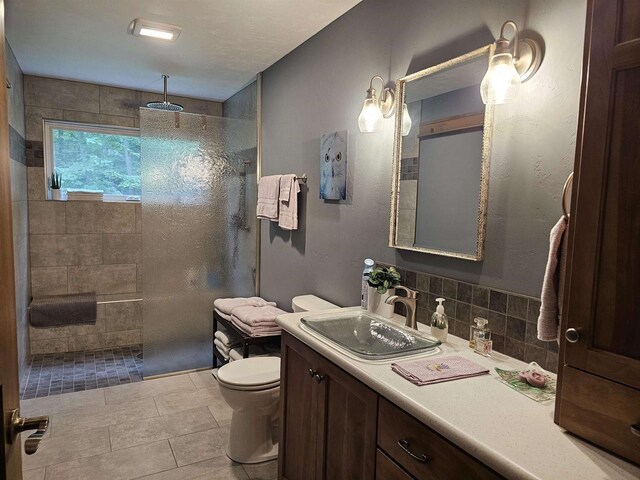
(166, 104)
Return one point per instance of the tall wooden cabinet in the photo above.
(599, 397)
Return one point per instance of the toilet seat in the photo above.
(258, 373)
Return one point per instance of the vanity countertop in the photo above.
(502, 428)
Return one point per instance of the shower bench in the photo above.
(245, 340)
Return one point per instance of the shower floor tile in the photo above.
(56, 373)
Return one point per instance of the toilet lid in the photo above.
(251, 372)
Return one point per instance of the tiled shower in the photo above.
(74, 247)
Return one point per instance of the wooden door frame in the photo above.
(12, 460)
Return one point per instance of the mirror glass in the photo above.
(441, 164)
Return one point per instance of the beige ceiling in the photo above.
(223, 43)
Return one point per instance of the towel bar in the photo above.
(106, 302)
(302, 178)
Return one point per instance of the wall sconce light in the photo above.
(406, 120)
(508, 70)
(374, 109)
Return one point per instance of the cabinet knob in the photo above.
(421, 457)
(311, 372)
(572, 335)
(319, 378)
(635, 429)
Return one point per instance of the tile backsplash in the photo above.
(512, 317)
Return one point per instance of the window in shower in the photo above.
(94, 157)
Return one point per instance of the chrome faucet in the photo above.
(410, 304)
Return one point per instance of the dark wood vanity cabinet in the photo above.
(334, 427)
(599, 378)
(328, 419)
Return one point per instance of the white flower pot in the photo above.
(376, 302)
(56, 194)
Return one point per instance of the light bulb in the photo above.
(502, 82)
(406, 120)
(370, 116)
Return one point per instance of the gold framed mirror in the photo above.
(442, 149)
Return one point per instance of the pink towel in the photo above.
(553, 284)
(259, 331)
(268, 198)
(288, 215)
(428, 371)
(257, 316)
(225, 305)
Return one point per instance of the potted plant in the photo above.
(382, 282)
(55, 183)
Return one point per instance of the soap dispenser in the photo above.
(479, 332)
(440, 322)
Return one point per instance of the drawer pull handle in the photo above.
(421, 457)
(635, 429)
(319, 378)
(312, 372)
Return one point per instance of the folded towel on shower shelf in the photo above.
(227, 341)
(225, 305)
(222, 348)
(222, 314)
(258, 331)
(225, 355)
(63, 310)
(257, 316)
(288, 203)
(553, 284)
(268, 196)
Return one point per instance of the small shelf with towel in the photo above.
(245, 340)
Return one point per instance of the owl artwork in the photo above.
(333, 166)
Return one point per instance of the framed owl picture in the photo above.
(333, 165)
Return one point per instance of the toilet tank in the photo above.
(307, 303)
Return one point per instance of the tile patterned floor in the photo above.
(172, 428)
(56, 373)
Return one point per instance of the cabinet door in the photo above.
(298, 412)
(603, 303)
(348, 424)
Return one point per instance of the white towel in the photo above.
(221, 347)
(257, 316)
(224, 355)
(553, 284)
(225, 305)
(268, 195)
(288, 215)
(235, 354)
(225, 340)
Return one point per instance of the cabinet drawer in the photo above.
(602, 411)
(421, 451)
(387, 469)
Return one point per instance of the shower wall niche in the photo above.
(198, 230)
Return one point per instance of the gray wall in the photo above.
(20, 211)
(319, 88)
(243, 104)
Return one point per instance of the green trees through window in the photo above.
(97, 161)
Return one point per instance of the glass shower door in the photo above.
(198, 230)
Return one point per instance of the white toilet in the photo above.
(251, 387)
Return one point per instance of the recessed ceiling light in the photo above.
(147, 28)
